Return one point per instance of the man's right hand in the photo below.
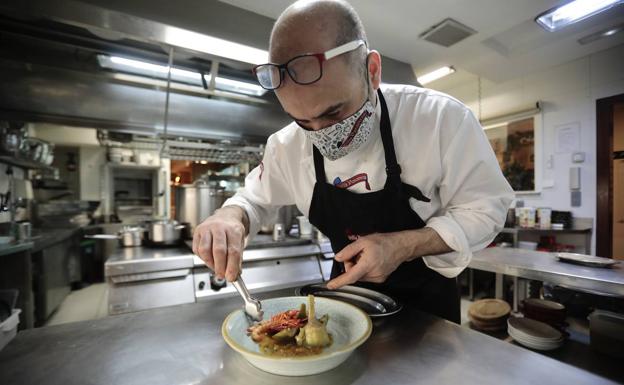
(219, 241)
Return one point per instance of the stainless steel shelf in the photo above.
(23, 163)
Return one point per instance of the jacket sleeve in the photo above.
(266, 189)
(474, 197)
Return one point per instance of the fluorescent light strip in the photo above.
(602, 34)
(215, 46)
(435, 75)
(573, 12)
(142, 68)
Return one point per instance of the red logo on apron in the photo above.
(362, 177)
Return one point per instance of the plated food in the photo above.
(292, 333)
(347, 327)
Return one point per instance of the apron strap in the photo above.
(393, 170)
(319, 166)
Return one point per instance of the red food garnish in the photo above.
(285, 320)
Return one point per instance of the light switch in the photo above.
(575, 178)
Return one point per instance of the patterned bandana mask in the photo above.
(346, 136)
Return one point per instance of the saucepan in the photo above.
(164, 231)
(128, 236)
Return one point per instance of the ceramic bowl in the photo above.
(349, 326)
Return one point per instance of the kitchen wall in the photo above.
(568, 93)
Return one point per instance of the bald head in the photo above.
(311, 26)
(346, 81)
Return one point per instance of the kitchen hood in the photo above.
(84, 65)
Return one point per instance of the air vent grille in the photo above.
(447, 32)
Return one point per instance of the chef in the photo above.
(401, 179)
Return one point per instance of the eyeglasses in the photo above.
(302, 69)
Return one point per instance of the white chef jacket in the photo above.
(442, 150)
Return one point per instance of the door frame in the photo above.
(604, 174)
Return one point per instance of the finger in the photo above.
(234, 257)
(348, 265)
(350, 251)
(204, 249)
(351, 276)
(351, 262)
(196, 241)
(219, 252)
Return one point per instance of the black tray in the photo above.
(372, 302)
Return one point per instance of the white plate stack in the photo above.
(534, 334)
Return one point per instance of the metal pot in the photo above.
(128, 236)
(164, 232)
(196, 202)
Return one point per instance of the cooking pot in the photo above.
(128, 236)
(164, 231)
(196, 202)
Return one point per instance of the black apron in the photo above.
(339, 213)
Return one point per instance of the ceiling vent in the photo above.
(447, 32)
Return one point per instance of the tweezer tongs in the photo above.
(253, 307)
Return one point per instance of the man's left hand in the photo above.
(370, 258)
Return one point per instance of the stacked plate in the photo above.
(534, 334)
(586, 260)
(552, 313)
(489, 314)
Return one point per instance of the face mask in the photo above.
(346, 136)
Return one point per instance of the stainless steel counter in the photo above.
(15, 247)
(130, 260)
(543, 266)
(141, 278)
(183, 345)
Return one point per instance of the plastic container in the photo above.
(544, 214)
(527, 245)
(527, 217)
(8, 328)
(606, 333)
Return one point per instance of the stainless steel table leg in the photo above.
(471, 284)
(515, 294)
(498, 288)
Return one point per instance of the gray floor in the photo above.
(82, 305)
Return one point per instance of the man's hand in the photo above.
(219, 241)
(372, 258)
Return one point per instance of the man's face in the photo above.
(339, 93)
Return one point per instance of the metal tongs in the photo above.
(253, 307)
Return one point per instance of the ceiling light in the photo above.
(138, 67)
(573, 12)
(602, 34)
(435, 75)
(215, 46)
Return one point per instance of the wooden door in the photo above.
(618, 208)
(618, 127)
